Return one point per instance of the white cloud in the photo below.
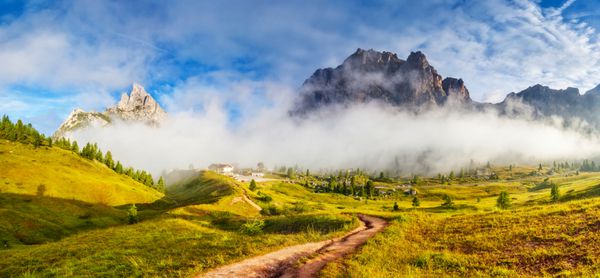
(97, 47)
(369, 137)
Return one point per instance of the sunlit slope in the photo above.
(209, 192)
(206, 187)
(54, 172)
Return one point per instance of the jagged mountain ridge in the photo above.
(137, 106)
(568, 104)
(369, 75)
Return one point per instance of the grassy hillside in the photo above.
(208, 227)
(540, 240)
(205, 187)
(473, 238)
(54, 172)
(26, 219)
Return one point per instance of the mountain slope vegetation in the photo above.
(58, 173)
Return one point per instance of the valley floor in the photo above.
(203, 226)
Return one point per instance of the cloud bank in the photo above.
(371, 136)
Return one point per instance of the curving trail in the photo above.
(283, 263)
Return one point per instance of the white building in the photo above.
(225, 169)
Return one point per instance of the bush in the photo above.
(271, 210)
(132, 215)
(264, 197)
(253, 228)
(448, 203)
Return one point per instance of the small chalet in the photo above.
(225, 169)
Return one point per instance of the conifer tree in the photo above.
(108, 160)
(161, 184)
(119, 167)
(503, 201)
(554, 193)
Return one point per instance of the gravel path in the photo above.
(284, 262)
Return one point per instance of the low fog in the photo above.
(368, 136)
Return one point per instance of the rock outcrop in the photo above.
(138, 106)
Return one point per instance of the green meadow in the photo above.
(63, 215)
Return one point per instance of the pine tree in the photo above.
(503, 200)
(99, 157)
(291, 173)
(161, 184)
(75, 147)
(554, 193)
(369, 189)
(108, 160)
(252, 185)
(396, 208)
(119, 167)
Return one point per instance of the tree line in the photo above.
(26, 134)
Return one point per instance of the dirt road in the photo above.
(283, 263)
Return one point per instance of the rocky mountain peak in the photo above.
(137, 106)
(417, 60)
(370, 57)
(369, 75)
(455, 88)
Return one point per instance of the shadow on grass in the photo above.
(593, 191)
(30, 219)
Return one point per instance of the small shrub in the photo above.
(415, 202)
(132, 215)
(41, 190)
(271, 210)
(264, 197)
(253, 228)
(448, 202)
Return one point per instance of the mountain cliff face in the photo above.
(138, 106)
(369, 75)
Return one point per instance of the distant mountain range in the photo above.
(369, 75)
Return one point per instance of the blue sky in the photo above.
(58, 55)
